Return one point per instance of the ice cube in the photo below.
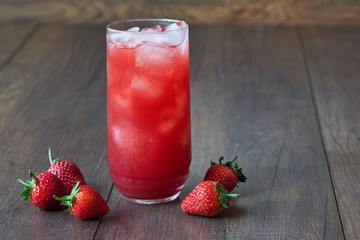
(170, 118)
(150, 36)
(128, 138)
(121, 101)
(133, 29)
(175, 38)
(125, 39)
(154, 29)
(146, 87)
(140, 83)
(154, 36)
(155, 60)
(174, 26)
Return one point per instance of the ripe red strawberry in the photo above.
(84, 202)
(67, 171)
(207, 199)
(228, 174)
(41, 188)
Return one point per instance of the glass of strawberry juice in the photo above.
(148, 108)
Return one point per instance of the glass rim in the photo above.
(112, 29)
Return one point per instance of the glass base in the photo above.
(152, 201)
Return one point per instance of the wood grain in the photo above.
(250, 96)
(333, 57)
(11, 38)
(285, 101)
(238, 12)
(56, 88)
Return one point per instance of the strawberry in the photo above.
(67, 171)
(41, 188)
(228, 174)
(207, 199)
(84, 202)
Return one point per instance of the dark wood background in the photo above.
(237, 12)
(284, 99)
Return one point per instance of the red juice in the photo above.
(148, 111)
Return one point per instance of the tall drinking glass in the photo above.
(148, 108)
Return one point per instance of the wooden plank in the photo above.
(333, 56)
(56, 86)
(250, 96)
(239, 12)
(11, 37)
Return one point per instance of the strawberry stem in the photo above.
(233, 195)
(233, 160)
(50, 158)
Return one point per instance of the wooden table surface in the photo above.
(286, 100)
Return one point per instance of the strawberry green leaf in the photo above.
(29, 185)
(235, 167)
(241, 176)
(231, 164)
(224, 195)
(68, 199)
(224, 200)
